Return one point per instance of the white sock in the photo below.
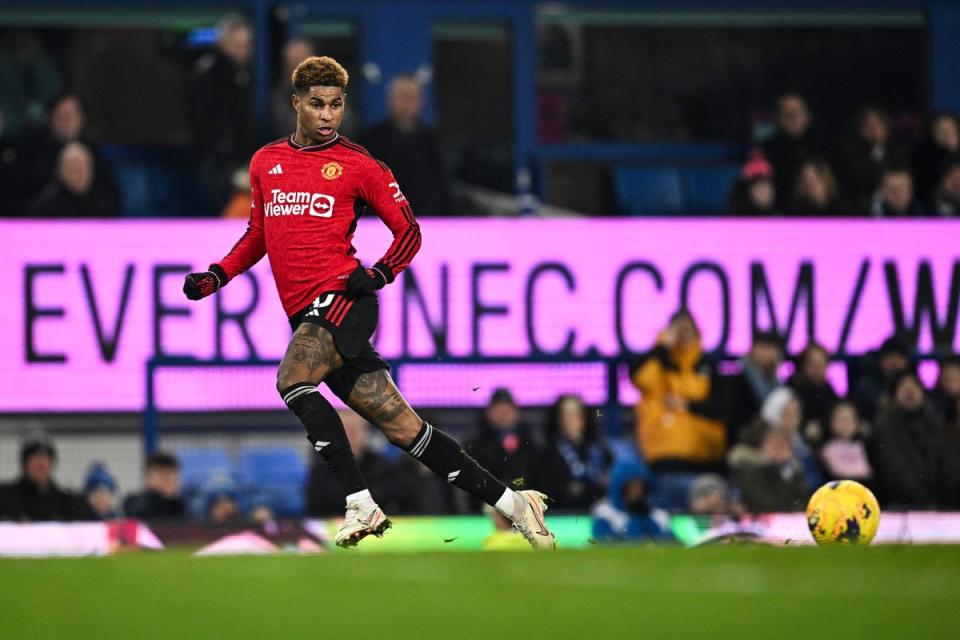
(363, 497)
(506, 505)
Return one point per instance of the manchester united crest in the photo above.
(332, 170)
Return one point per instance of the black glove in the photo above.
(201, 285)
(363, 281)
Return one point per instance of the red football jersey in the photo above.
(306, 201)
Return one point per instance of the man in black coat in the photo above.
(35, 496)
(410, 148)
(161, 498)
(747, 390)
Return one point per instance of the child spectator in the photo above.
(625, 515)
(100, 490)
(160, 498)
(754, 194)
(814, 391)
(815, 191)
(769, 477)
(844, 454)
(895, 198)
(573, 464)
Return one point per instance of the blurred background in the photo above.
(551, 130)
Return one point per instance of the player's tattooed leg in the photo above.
(376, 398)
(310, 357)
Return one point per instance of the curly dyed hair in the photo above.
(319, 70)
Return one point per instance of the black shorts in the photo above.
(351, 323)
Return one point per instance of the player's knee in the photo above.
(286, 379)
(402, 433)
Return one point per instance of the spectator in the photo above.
(625, 515)
(283, 118)
(161, 497)
(710, 496)
(946, 394)
(815, 392)
(504, 446)
(754, 193)
(100, 490)
(782, 412)
(910, 448)
(225, 137)
(242, 199)
(679, 414)
(936, 152)
(844, 454)
(410, 148)
(222, 507)
(865, 156)
(895, 197)
(815, 191)
(790, 145)
(35, 496)
(757, 378)
(877, 372)
(400, 485)
(947, 198)
(74, 192)
(572, 468)
(769, 477)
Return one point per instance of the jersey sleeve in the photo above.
(380, 191)
(252, 244)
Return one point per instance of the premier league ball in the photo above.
(843, 511)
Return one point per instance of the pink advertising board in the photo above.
(83, 305)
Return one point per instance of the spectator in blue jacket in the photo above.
(625, 516)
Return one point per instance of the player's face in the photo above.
(319, 113)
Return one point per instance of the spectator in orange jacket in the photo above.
(679, 425)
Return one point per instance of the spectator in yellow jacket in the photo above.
(679, 424)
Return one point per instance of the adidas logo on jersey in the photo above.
(276, 171)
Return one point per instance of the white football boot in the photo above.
(363, 518)
(528, 519)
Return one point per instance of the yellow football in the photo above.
(843, 511)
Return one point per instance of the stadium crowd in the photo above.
(51, 167)
(706, 442)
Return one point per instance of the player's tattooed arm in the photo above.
(310, 357)
(377, 399)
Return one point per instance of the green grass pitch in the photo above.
(735, 591)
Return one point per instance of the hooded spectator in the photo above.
(769, 476)
(843, 455)
(864, 157)
(35, 496)
(573, 465)
(160, 498)
(411, 148)
(947, 198)
(877, 371)
(815, 392)
(754, 193)
(680, 426)
(939, 149)
(74, 192)
(504, 445)
(756, 380)
(895, 197)
(814, 193)
(791, 145)
(100, 490)
(625, 515)
(910, 448)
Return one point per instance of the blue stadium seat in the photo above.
(277, 472)
(198, 467)
(649, 191)
(708, 188)
(671, 490)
